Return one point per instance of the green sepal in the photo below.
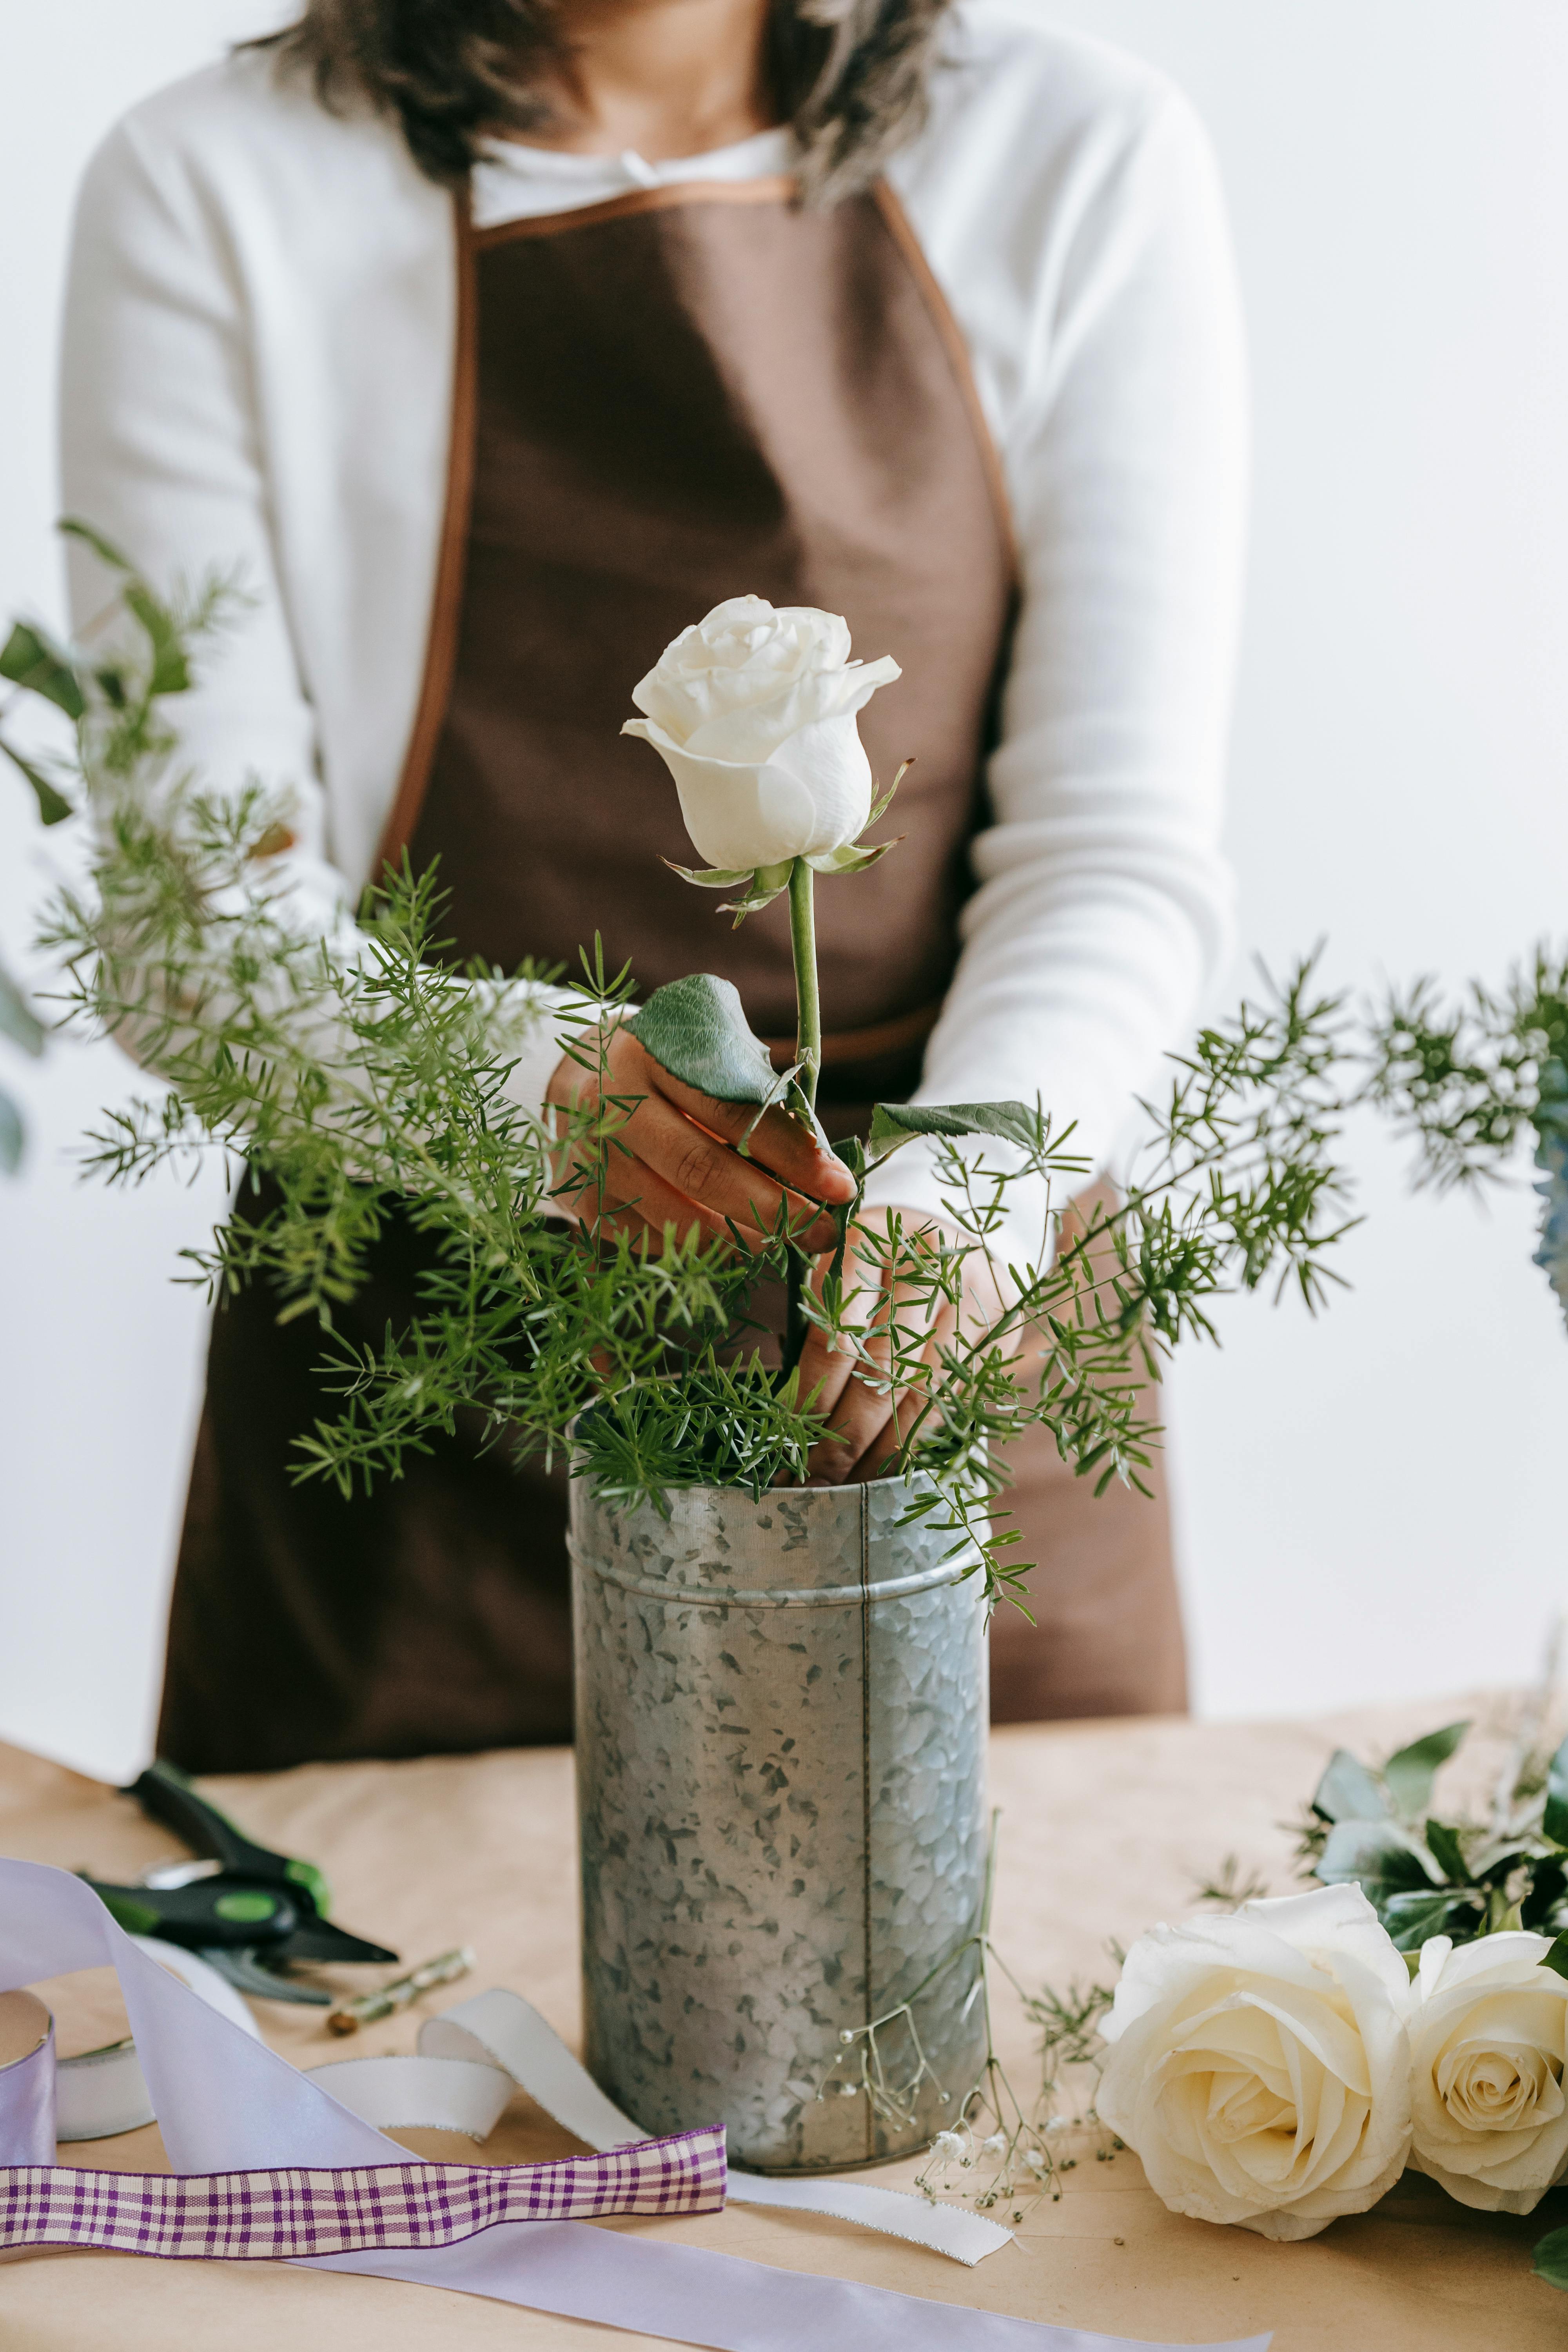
(1409, 1773)
(1557, 1961)
(1347, 1792)
(1554, 1820)
(893, 1124)
(53, 806)
(31, 659)
(1549, 2260)
(849, 859)
(880, 808)
(709, 878)
(17, 1019)
(768, 883)
(697, 1030)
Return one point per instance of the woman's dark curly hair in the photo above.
(849, 75)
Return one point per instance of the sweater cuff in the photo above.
(912, 1180)
(532, 1032)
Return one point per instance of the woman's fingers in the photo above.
(777, 1141)
(671, 1160)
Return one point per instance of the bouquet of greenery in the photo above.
(360, 1071)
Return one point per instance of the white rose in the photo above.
(753, 712)
(1260, 2063)
(1488, 2039)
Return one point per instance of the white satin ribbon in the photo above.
(467, 2095)
(104, 2091)
(226, 2102)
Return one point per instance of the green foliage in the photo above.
(1466, 1080)
(1549, 2260)
(362, 1072)
(893, 1124)
(696, 1029)
(1428, 1876)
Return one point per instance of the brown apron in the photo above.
(684, 394)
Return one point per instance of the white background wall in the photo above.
(1371, 1506)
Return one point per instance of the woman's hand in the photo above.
(671, 1159)
(868, 1424)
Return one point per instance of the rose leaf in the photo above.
(16, 1017)
(1412, 1919)
(1443, 1845)
(1409, 1773)
(893, 1124)
(696, 1029)
(1557, 1960)
(33, 661)
(53, 806)
(1554, 1820)
(1550, 2258)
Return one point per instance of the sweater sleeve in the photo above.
(1101, 905)
(163, 451)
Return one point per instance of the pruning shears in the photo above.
(251, 1912)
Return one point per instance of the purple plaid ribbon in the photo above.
(274, 2216)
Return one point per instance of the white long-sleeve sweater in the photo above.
(258, 370)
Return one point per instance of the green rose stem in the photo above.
(809, 1053)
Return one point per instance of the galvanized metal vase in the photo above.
(781, 1737)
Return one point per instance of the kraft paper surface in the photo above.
(1105, 1827)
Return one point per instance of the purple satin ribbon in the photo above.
(27, 2105)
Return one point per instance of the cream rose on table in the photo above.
(754, 712)
(1488, 2042)
(1259, 2064)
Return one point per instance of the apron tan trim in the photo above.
(446, 600)
(850, 1046)
(957, 350)
(446, 613)
(779, 187)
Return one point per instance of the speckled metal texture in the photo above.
(781, 1739)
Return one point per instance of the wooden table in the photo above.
(1106, 1827)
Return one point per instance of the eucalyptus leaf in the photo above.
(1554, 1820)
(17, 1019)
(1379, 1856)
(893, 1124)
(32, 660)
(697, 1030)
(1347, 1792)
(1409, 1773)
(11, 1135)
(1550, 2258)
(53, 806)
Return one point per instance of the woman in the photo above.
(498, 341)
